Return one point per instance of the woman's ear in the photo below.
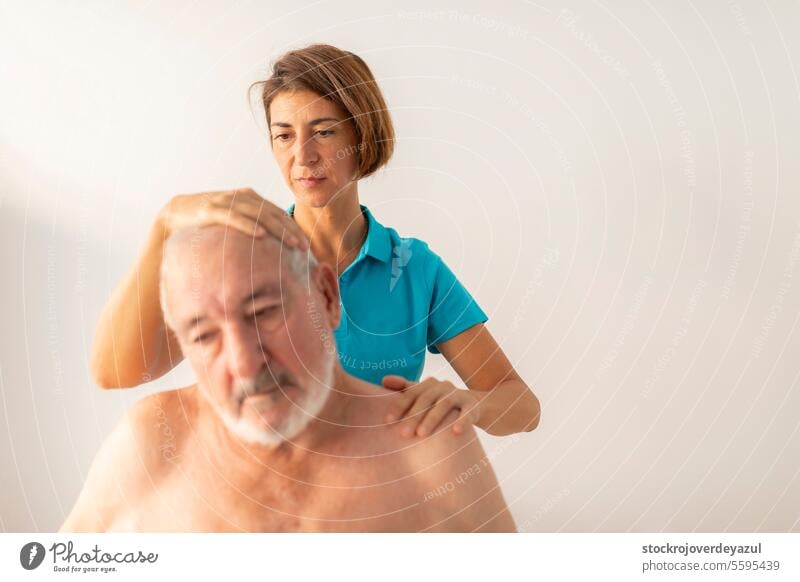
(327, 284)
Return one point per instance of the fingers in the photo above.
(466, 413)
(239, 221)
(399, 409)
(285, 230)
(242, 209)
(394, 382)
(433, 420)
(451, 417)
(280, 225)
(429, 406)
(269, 218)
(401, 405)
(423, 405)
(468, 416)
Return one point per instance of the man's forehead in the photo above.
(222, 267)
(231, 289)
(213, 251)
(227, 243)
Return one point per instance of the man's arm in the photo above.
(124, 472)
(461, 480)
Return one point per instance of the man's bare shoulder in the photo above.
(159, 424)
(445, 450)
(134, 459)
(152, 433)
(458, 475)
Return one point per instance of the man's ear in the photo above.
(326, 282)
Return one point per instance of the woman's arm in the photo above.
(498, 400)
(132, 344)
(507, 405)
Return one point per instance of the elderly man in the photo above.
(274, 436)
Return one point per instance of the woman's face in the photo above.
(314, 145)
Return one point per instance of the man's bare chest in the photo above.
(367, 494)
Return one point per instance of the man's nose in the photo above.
(245, 352)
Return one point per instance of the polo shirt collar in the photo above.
(377, 245)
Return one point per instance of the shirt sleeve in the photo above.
(452, 308)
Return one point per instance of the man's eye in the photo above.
(265, 311)
(204, 338)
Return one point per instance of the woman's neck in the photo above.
(336, 230)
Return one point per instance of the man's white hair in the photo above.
(299, 264)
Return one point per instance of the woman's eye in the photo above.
(325, 132)
(281, 137)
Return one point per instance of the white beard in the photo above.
(301, 412)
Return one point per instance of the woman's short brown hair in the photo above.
(343, 78)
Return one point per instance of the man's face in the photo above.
(259, 340)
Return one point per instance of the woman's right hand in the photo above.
(242, 209)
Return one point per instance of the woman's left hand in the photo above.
(423, 407)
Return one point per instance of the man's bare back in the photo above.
(162, 470)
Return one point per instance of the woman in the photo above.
(330, 127)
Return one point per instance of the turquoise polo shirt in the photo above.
(398, 299)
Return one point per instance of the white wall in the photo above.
(616, 183)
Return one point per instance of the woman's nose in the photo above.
(306, 152)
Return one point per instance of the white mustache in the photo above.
(266, 382)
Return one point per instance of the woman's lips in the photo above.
(310, 182)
